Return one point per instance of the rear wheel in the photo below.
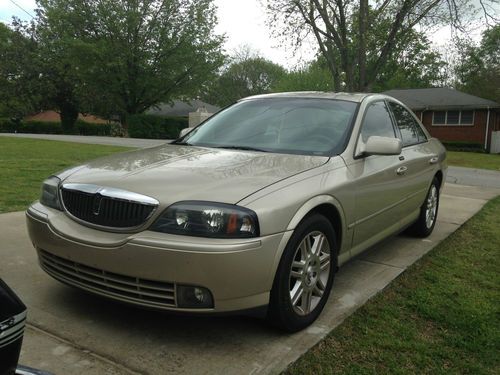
(424, 226)
(305, 275)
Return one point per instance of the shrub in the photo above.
(116, 130)
(47, 127)
(7, 125)
(87, 128)
(37, 127)
(140, 126)
(463, 146)
(155, 127)
(40, 127)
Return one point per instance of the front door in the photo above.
(380, 185)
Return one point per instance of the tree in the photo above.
(478, 70)
(413, 64)
(131, 54)
(61, 78)
(36, 73)
(20, 87)
(344, 30)
(247, 75)
(312, 77)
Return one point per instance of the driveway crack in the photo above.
(383, 264)
(87, 351)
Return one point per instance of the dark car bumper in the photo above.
(12, 322)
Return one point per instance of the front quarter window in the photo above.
(377, 122)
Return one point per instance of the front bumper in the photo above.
(145, 268)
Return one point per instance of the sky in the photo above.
(243, 23)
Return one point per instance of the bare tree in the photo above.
(357, 37)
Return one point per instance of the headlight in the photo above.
(208, 219)
(50, 193)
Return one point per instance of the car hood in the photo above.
(171, 173)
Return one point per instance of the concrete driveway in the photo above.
(70, 332)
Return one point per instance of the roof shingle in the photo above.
(440, 98)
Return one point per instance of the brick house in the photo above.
(53, 116)
(451, 115)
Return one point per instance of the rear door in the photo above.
(418, 157)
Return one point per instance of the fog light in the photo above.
(194, 297)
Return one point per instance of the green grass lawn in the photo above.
(25, 163)
(442, 316)
(474, 160)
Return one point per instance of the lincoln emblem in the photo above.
(96, 204)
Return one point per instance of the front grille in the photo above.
(105, 211)
(143, 292)
(12, 329)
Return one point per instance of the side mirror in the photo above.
(184, 131)
(376, 145)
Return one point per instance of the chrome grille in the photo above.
(107, 207)
(131, 289)
(12, 329)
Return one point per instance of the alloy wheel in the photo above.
(309, 272)
(431, 208)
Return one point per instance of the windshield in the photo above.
(283, 125)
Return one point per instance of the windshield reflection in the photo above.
(283, 125)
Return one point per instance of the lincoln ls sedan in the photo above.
(255, 209)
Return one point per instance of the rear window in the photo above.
(411, 132)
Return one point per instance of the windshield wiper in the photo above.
(181, 143)
(245, 148)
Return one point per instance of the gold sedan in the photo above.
(254, 209)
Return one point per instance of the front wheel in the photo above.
(425, 223)
(305, 275)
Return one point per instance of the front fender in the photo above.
(301, 213)
(313, 203)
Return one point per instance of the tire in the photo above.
(304, 275)
(425, 223)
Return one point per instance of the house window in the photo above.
(439, 117)
(467, 118)
(453, 118)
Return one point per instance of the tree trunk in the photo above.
(69, 115)
(64, 99)
(348, 70)
(363, 8)
(124, 124)
(336, 80)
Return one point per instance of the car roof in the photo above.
(352, 97)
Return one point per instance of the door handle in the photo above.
(401, 170)
(433, 160)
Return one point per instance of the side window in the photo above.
(377, 121)
(411, 132)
